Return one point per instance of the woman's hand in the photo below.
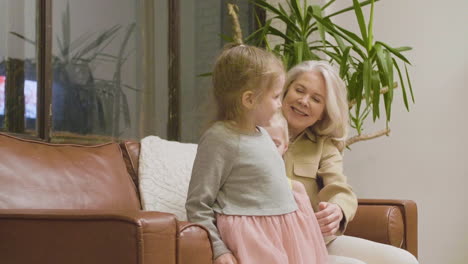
(329, 217)
(227, 258)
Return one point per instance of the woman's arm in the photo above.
(335, 190)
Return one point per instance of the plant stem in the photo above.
(358, 138)
(382, 91)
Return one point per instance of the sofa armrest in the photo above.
(92, 237)
(194, 245)
(393, 222)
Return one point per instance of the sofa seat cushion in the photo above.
(38, 175)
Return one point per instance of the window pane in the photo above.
(18, 81)
(202, 22)
(96, 89)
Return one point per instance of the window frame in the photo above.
(173, 126)
(44, 69)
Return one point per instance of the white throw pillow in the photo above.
(165, 168)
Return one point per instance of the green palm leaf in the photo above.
(409, 84)
(402, 83)
(360, 19)
(395, 51)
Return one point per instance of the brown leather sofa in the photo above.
(63, 203)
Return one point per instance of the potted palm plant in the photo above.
(370, 68)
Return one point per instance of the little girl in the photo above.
(239, 189)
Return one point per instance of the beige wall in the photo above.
(425, 157)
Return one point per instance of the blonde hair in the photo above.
(334, 123)
(278, 120)
(240, 68)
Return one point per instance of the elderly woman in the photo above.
(316, 108)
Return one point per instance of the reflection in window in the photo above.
(18, 86)
(30, 99)
(95, 89)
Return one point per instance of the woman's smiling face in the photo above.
(304, 103)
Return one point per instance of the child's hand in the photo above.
(227, 258)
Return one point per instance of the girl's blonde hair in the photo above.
(240, 68)
(334, 122)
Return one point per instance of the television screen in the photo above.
(30, 97)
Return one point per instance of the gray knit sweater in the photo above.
(236, 174)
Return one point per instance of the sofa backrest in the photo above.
(131, 154)
(38, 175)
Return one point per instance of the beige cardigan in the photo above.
(318, 164)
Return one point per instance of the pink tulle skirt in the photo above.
(293, 238)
